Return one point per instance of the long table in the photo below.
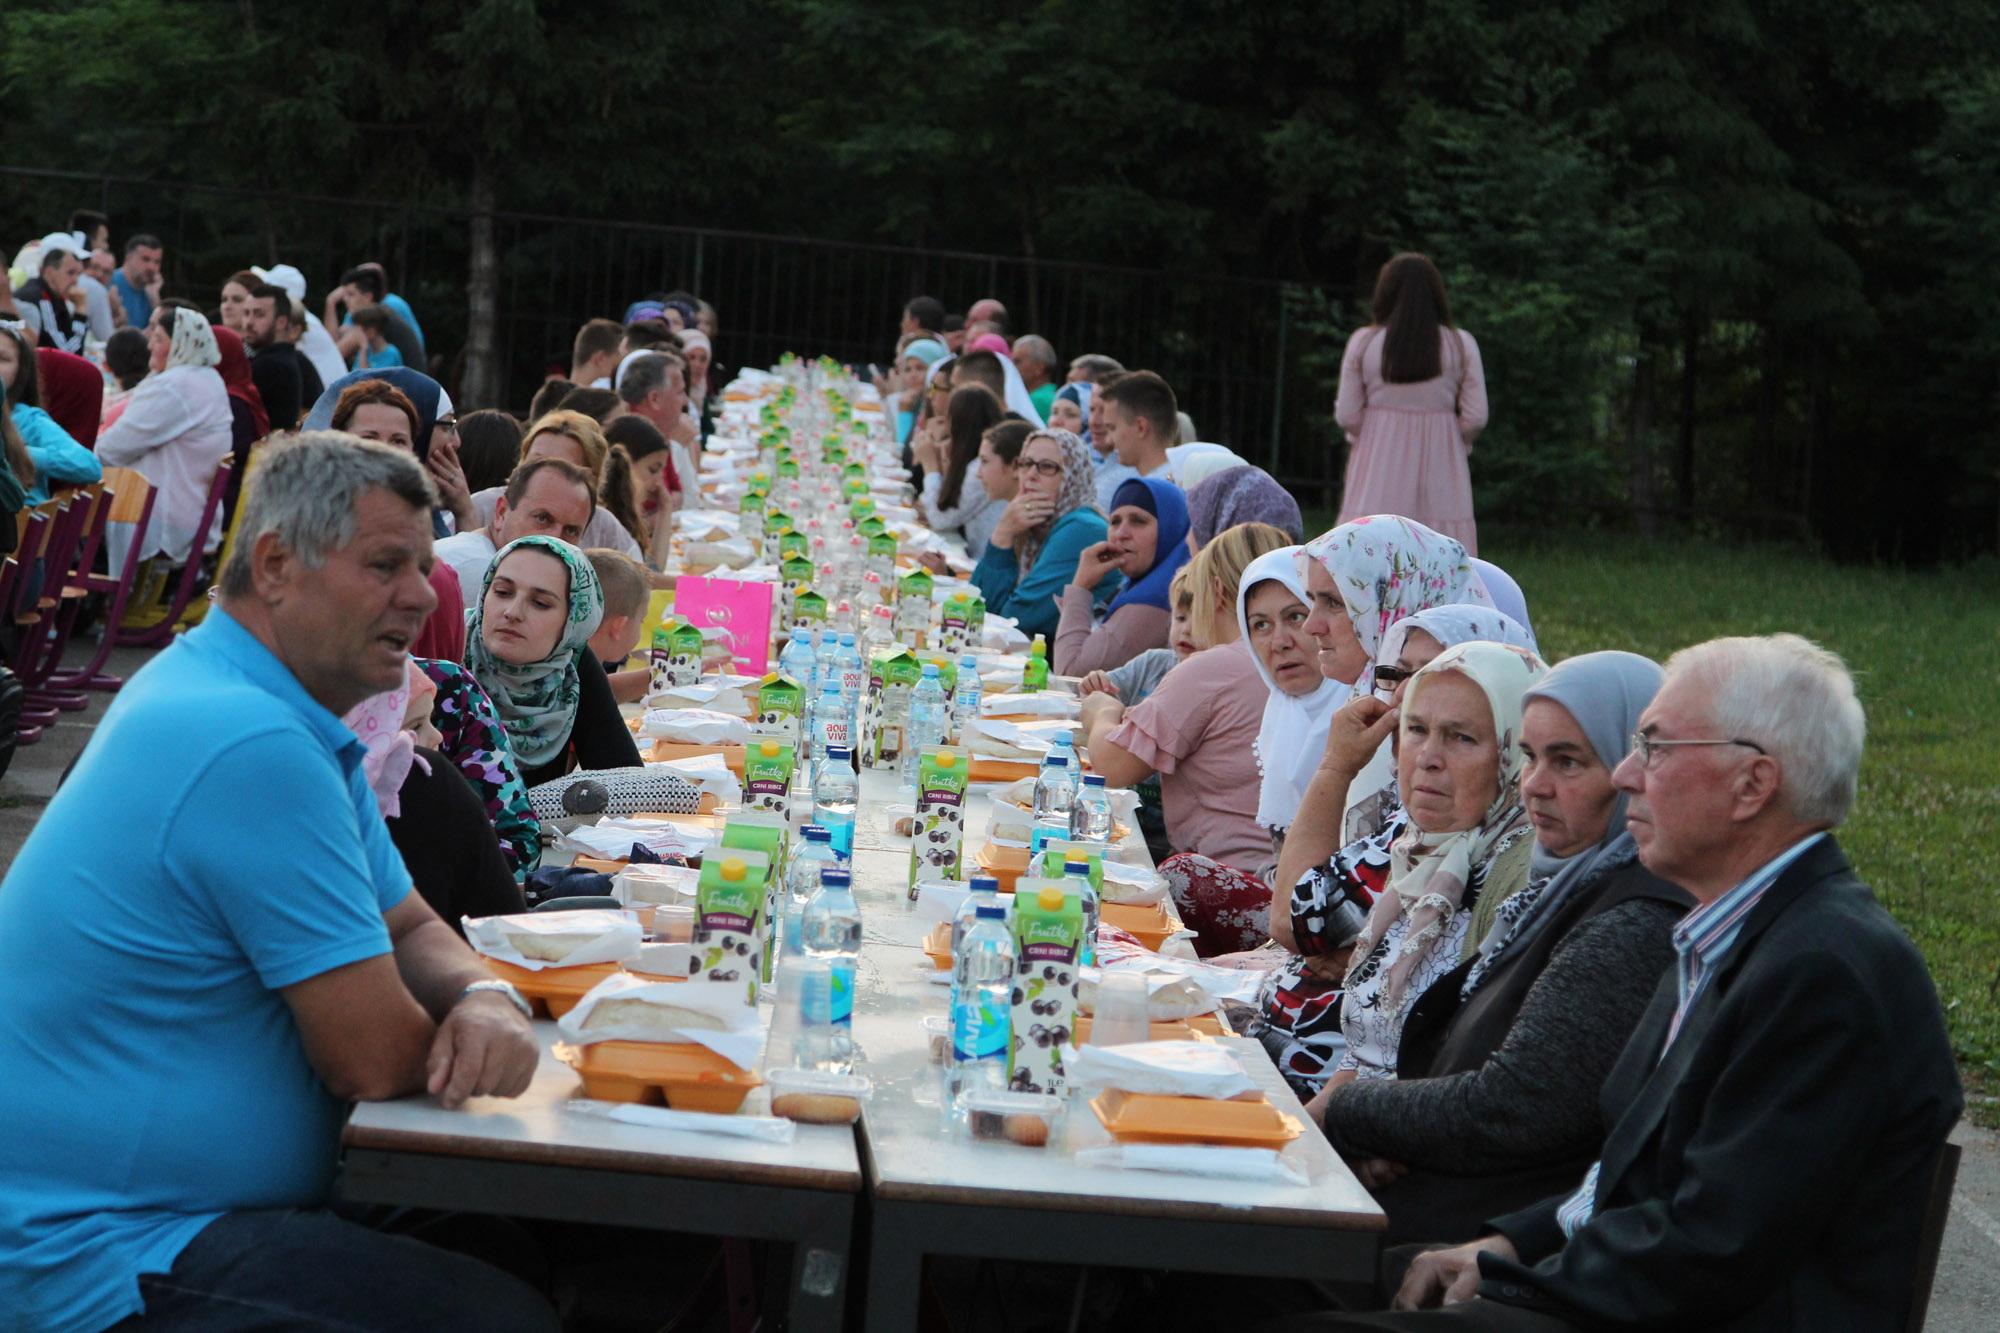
(931, 1191)
(936, 1192)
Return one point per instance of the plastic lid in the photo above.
(839, 751)
(1093, 779)
(984, 884)
(768, 749)
(818, 833)
(733, 870)
(1056, 761)
(930, 669)
(1005, 1101)
(834, 877)
(945, 759)
(990, 912)
(846, 640)
(968, 660)
(1050, 898)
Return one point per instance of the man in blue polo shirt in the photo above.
(209, 946)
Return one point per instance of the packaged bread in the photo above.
(535, 940)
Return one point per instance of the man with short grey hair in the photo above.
(1093, 367)
(1035, 357)
(1775, 1122)
(655, 387)
(178, 1068)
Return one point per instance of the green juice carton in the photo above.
(788, 467)
(767, 775)
(1057, 853)
(947, 670)
(764, 834)
(808, 608)
(872, 525)
(751, 507)
(675, 654)
(885, 708)
(913, 608)
(960, 619)
(860, 507)
(729, 917)
(881, 558)
(1048, 948)
(776, 522)
(856, 490)
(792, 542)
(938, 842)
(794, 574)
(781, 703)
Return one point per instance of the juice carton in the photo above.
(751, 507)
(808, 608)
(765, 835)
(959, 622)
(781, 702)
(860, 507)
(1048, 943)
(675, 654)
(939, 838)
(767, 773)
(885, 710)
(872, 525)
(913, 607)
(792, 542)
(728, 918)
(947, 669)
(788, 467)
(1057, 853)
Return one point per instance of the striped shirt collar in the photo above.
(1704, 937)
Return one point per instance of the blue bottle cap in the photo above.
(835, 877)
(930, 668)
(968, 660)
(984, 884)
(1093, 779)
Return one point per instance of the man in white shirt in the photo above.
(550, 497)
(1140, 419)
(654, 387)
(594, 354)
(603, 529)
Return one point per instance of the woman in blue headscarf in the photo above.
(434, 439)
(1070, 410)
(1147, 543)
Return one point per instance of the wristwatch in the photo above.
(500, 987)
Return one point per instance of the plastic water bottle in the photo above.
(829, 722)
(1065, 745)
(965, 696)
(881, 634)
(813, 854)
(1090, 816)
(826, 663)
(836, 794)
(982, 989)
(830, 928)
(927, 710)
(798, 660)
(1035, 676)
(1076, 876)
(853, 683)
(1052, 794)
(984, 891)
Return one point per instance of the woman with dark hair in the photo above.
(40, 450)
(600, 405)
(953, 497)
(489, 445)
(648, 481)
(1412, 400)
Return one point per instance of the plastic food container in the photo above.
(815, 1097)
(937, 946)
(1030, 1119)
(1150, 925)
(1150, 1118)
(937, 1036)
(673, 925)
(686, 1076)
(664, 962)
(552, 990)
(1159, 1029)
(1006, 864)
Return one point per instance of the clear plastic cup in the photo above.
(1121, 1010)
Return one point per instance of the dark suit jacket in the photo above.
(1771, 1171)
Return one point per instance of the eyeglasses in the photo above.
(448, 424)
(1043, 468)
(1387, 678)
(1649, 747)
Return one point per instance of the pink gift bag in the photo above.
(741, 610)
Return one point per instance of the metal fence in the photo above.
(1228, 346)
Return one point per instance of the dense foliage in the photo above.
(1731, 263)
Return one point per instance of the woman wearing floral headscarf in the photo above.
(527, 643)
(1047, 525)
(175, 430)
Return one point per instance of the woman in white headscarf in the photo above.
(174, 432)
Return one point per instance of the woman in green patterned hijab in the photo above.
(527, 636)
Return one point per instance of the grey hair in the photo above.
(1795, 699)
(646, 374)
(1095, 364)
(305, 490)
(1035, 345)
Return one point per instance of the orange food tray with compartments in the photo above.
(1149, 1118)
(686, 1076)
(552, 990)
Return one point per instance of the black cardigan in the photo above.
(449, 845)
(599, 739)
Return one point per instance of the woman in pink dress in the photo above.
(1412, 400)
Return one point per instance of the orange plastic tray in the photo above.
(1160, 1029)
(982, 769)
(1150, 925)
(686, 1076)
(732, 755)
(1006, 864)
(1147, 1118)
(937, 945)
(553, 990)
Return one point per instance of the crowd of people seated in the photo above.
(1563, 959)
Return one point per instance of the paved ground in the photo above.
(1966, 1294)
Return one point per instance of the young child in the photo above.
(1142, 675)
(377, 351)
(626, 594)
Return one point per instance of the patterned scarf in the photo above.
(537, 700)
(191, 340)
(1079, 491)
(1429, 872)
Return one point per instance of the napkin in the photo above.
(710, 772)
(740, 1041)
(709, 694)
(615, 936)
(612, 839)
(694, 726)
(1166, 1068)
(764, 1128)
(1042, 704)
(1190, 1159)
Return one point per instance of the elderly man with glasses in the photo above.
(1774, 1125)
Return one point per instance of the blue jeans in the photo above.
(288, 1268)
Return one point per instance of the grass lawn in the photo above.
(1925, 651)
